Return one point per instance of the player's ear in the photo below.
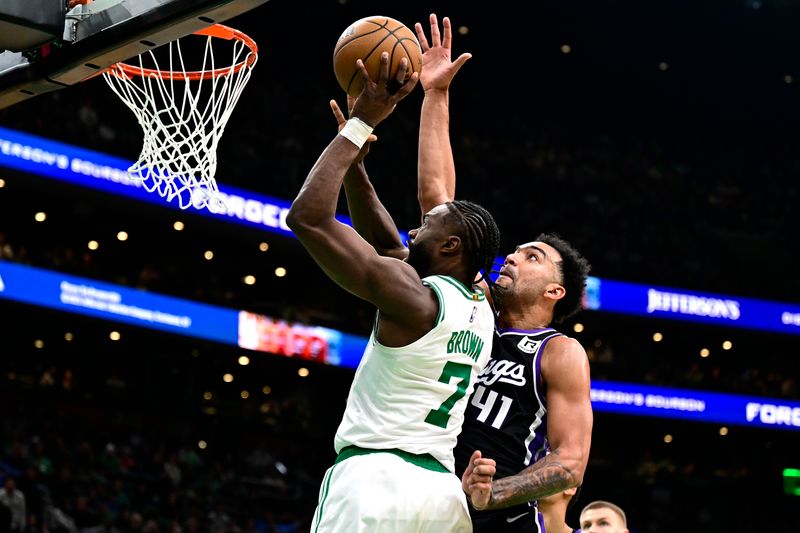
(554, 291)
(452, 245)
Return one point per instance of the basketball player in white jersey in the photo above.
(432, 336)
(537, 422)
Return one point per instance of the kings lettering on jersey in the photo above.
(465, 342)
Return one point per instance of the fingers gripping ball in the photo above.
(366, 39)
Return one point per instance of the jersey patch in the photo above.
(528, 345)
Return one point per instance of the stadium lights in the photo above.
(208, 255)
(178, 225)
(122, 236)
(208, 395)
(657, 337)
(303, 372)
(202, 445)
(2, 183)
(263, 247)
(114, 336)
(578, 327)
(244, 394)
(68, 336)
(267, 389)
(227, 378)
(38, 343)
(249, 280)
(93, 245)
(705, 352)
(663, 66)
(41, 216)
(727, 345)
(667, 438)
(280, 272)
(723, 431)
(244, 360)
(788, 79)
(566, 49)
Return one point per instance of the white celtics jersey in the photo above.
(413, 397)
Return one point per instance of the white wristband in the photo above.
(356, 131)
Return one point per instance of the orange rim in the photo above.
(218, 31)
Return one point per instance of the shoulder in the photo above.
(562, 355)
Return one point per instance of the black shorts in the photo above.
(513, 520)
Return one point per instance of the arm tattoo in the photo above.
(546, 476)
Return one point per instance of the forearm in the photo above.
(547, 476)
(369, 216)
(435, 168)
(319, 194)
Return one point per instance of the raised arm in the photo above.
(565, 369)
(436, 175)
(369, 216)
(392, 285)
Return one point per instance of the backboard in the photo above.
(102, 33)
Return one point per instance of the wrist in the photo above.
(356, 131)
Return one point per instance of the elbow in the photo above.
(298, 218)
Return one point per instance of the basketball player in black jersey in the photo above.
(533, 396)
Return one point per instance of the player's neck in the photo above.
(554, 521)
(524, 317)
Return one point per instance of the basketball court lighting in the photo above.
(202, 445)
(2, 183)
(207, 395)
(244, 394)
(208, 255)
(41, 216)
(93, 245)
(280, 272)
(114, 336)
(178, 225)
(723, 431)
(227, 378)
(578, 327)
(122, 236)
(244, 360)
(657, 337)
(705, 352)
(303, 372)
(663, 66)
(788, 79)
(727, 345)
(68, 336)
(263, 246)
(566, 49)
(266, 389)
(249, 280)
(667, 438)
(38, 343)
(463, 30)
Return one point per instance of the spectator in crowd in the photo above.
(603, 517)
(13, 499)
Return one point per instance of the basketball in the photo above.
(366, 39)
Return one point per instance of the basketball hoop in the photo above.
(183, 114)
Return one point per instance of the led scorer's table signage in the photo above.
(88, 168)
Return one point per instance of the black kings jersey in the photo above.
(506, 418)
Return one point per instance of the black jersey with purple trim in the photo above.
(506, 418)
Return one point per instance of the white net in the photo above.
(183, 115)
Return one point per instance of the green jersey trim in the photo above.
(426, 461)
(440, 297)
(477, 295)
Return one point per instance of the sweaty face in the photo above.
(423, 241)
(601, 520)
(528, 270)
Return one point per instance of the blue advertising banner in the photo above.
(261, 333)
(87, 168)
(112, 302)
(700, 406)
(660, 302)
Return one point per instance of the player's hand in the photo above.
(378, 99)
(477, 480)
(437, 68)
(341, 120)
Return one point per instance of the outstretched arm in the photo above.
(565, 369)
(369, 216)
(436, 175)
(393, 286)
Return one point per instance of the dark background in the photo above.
(682, 175)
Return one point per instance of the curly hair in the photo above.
(574, 269)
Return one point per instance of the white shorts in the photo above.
(385, 493)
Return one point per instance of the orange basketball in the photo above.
(366, 39)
